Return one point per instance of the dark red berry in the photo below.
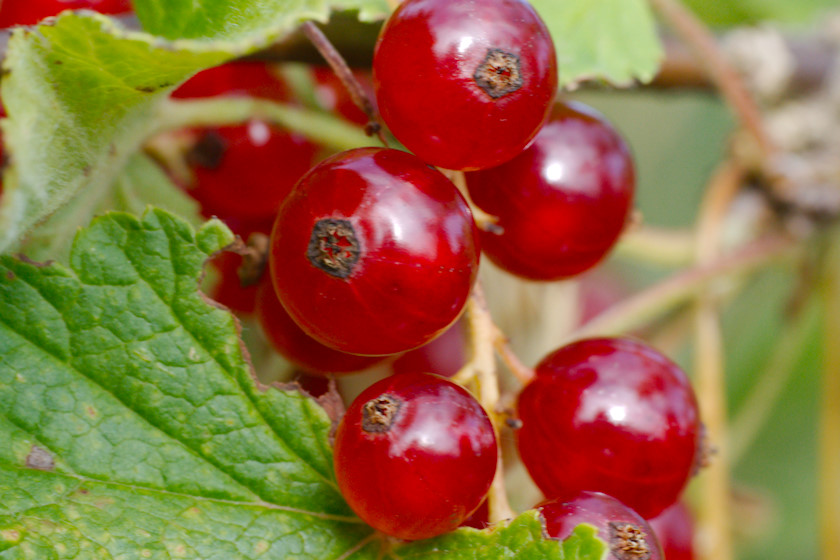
(30, 12)
(297, 346)
(674, 528)
(464, 85)
(332, 95)
(246, 171)
(563, 202)
(445, 355)
(240, 78)
(227, 288)
(610, 415)
(415, 455)
(627, 534)
(374, 252)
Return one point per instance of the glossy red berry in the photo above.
(445, 355)
(374, 252)
(627, 535)
(415, 455)
(30, 12)
(297, 346)
(562, 203)
(674, 528)
(464, 85)
(246, 171)
(239, 78)
(613, 416)
(332, 95)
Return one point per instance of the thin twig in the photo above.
(728, 81)
(342, 70)
(829, 430)
(667, 295)
(715, 513)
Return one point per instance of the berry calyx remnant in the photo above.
(627, 534)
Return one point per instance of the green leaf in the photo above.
(241, 19)
(82, 93)
(141, 184)
(613, 40)
(749, 12)
(132, 425)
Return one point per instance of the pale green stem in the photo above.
(680, 288)
(318, 126)
(657, 246)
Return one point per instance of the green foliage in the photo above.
(133, 427)
(613, 40)
(747, 12)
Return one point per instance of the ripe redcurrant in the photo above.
(415, 454)
(674, 528)
(613, 416)
(445, 355)
(627, 534)
(464, 85)
(297, 346)
(246, 171)
(30, 12)
(374, 252)
(562, 203)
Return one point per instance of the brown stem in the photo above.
(342, 70)
(729, 83)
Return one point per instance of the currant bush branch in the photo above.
(829, 427)
(714, 516)
(318, 126)
(729, 83)
(662, 246)
(683, 286)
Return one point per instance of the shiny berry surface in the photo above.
(613, 416)
(374, 252)
(563, 202)
(297, 346)
(415, 455)
(246, 171)
(627, 535)
(674, 528)
(464, 85)
(30, 12)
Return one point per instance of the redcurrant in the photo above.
(374, 252)
(562, 203)
(246, 171)
(445, 355)
(627, 534)
(464, 85)
(297, 346)
(613, 416)
(30, 12)
(415, 454)
(333, 96)
(242, 78)
(674, 528)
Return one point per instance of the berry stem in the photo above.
(339, 66)
(482, 367)
(676, 290)
(829, 430)
(656, 245)
(483, 220)
(318, 126)
(714, 517)
(701, 40)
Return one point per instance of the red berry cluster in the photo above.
(374, 252)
